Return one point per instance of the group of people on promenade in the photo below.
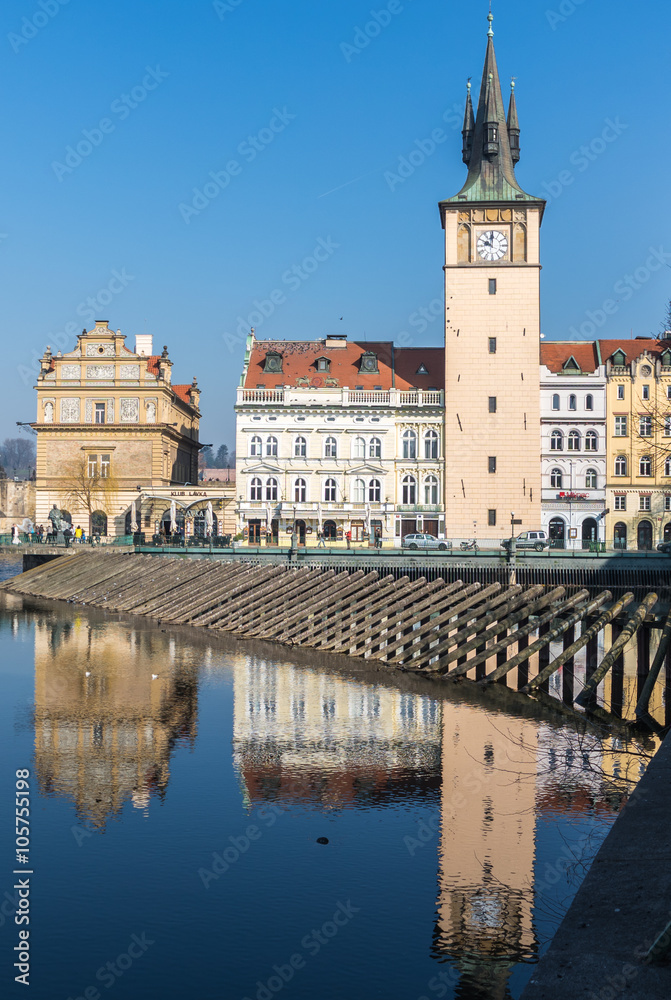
(37, 534)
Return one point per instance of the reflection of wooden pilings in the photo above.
(629, 630)
(587, 636)
(657, 663)
(554, 633)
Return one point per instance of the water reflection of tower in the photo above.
(110, 705)
(306, 735)
(484, 920)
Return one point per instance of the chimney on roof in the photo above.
(144, 343)
(336, 340)
(666, 335)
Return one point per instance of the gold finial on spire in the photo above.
(490, 18)
(512, 82)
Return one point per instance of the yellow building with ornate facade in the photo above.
(105, 412)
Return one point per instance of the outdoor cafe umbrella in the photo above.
(209, 519)
(173, 517)
(133, 518)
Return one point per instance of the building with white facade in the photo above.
(336, 437)
(573, 443)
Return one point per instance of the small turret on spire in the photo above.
(468, 130)
(490, 18)
(513, 125)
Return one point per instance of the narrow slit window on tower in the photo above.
(492, 463)
(492, 286)
(492, 404)
(492, 345)
(491, 518)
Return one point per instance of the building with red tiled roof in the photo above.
(338, 437)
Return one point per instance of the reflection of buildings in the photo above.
(110, 704)
(484, 913)
(304, 735)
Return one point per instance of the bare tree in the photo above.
(666, 322)
(87, 486)
(18, 454)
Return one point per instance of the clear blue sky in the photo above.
(221, 72)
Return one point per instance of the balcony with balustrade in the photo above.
(293, 396)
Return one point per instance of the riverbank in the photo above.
(622, 907)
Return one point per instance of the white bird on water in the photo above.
(87, 674)
(154, 677)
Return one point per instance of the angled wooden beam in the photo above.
(588, 693)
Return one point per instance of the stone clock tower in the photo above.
(492, 328)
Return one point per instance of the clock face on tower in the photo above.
(492, 245)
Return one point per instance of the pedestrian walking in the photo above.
(320, 540)
(348, 537)
(78, 535)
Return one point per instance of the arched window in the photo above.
(330, 448)
(431, 444)
(555, 401)
(591, 441)
(375, 448)
(645, 466)
(271, 447)
(359, 491)
(409, 490)
(430, 491)
(300, 448)
(667, 467)
(556, 479)
(590, 479)
(574, 441)
(589, 401)
(99, 523)
(572, 403)
(621, 465)
(358, 448)
(409, 444)
(620, 535)
(256, 490)
(271, 489)
(557, 441)
(374, 491)
(330, 489)
(300, 491)
(256, 447)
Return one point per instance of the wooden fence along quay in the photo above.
(459, 630)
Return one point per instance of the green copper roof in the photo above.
(491, 177)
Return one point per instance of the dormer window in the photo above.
(571, 365)
(422, 370)
(273, 362)
(323, 365)
(666, 358)
(368, 362)
(619, 359)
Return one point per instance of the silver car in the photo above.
(423, 541)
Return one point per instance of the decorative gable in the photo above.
(619, 359)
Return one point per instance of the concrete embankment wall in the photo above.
(621, 908)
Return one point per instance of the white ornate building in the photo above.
(335, 437)
(573, 435)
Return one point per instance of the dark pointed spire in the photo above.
(513, 125)
(492, 143)
(469, 125)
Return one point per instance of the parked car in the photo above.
(423, 541)
(664, 547)
(537, 540)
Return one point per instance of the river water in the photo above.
(219, 820)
